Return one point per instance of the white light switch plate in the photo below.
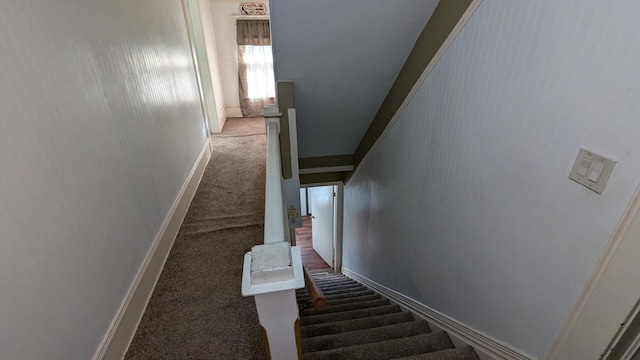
(592, 170)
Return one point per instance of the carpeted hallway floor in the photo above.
(196, 310)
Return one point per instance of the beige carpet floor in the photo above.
(196, 310)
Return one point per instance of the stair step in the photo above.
(353, 299)
(331, 309)
(337, 291)
(342, 288)
(348, 300)
(406, 346)
(303, 292)
(349, 315)
(365, 336)
(335, 282)
(304, 299)
(344, 280)
(355, 324)
(342, 285)
(463, 353)
(332, 280)
(327, 275)
(332, 285)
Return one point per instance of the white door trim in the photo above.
(338, 227)
(606, 302)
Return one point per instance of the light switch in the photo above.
(585, 164)
(592, 170)
(596, 172)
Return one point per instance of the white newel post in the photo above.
(273, 271)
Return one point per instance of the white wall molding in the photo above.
(485, 346)
(319, 170)
(228, 111)
(123, 327)
(589, 309)
(448, 41)
(231, 110)
(222, 118)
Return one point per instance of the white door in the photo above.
(321, 207)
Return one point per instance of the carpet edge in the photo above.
(123, 327)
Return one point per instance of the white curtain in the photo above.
(258, 67)
(255, 66)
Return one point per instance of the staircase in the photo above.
(359, 324)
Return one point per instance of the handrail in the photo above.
(274, 230)
(273, 271)
(318, 301)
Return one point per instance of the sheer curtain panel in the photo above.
(255, 66)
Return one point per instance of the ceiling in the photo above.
(342, 56)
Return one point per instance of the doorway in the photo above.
(193, 17)
(323, 206)
(321, 201)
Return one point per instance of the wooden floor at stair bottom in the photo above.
(310, 257)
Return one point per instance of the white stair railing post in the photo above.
(273, 271)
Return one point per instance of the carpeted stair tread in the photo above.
(349, 300)
(337, 281)
(389, 349)
(331, 278)
(334, 290)
(329, 275)
(345, 307)
(349, 315)
(334, 283)
(304, 299)
(355, 324)
(330, 286)
(340, 290)
(365, 336)
(354, 299)
(339, 286)
(463, 353)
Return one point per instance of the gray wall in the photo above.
(465, 204)
(100, 124)
(342, 57)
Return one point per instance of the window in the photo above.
(255, 66)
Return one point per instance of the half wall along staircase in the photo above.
(359, 324)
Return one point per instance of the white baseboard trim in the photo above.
(222, 118)
(123, 327)
(461, 334)
(230, 111)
